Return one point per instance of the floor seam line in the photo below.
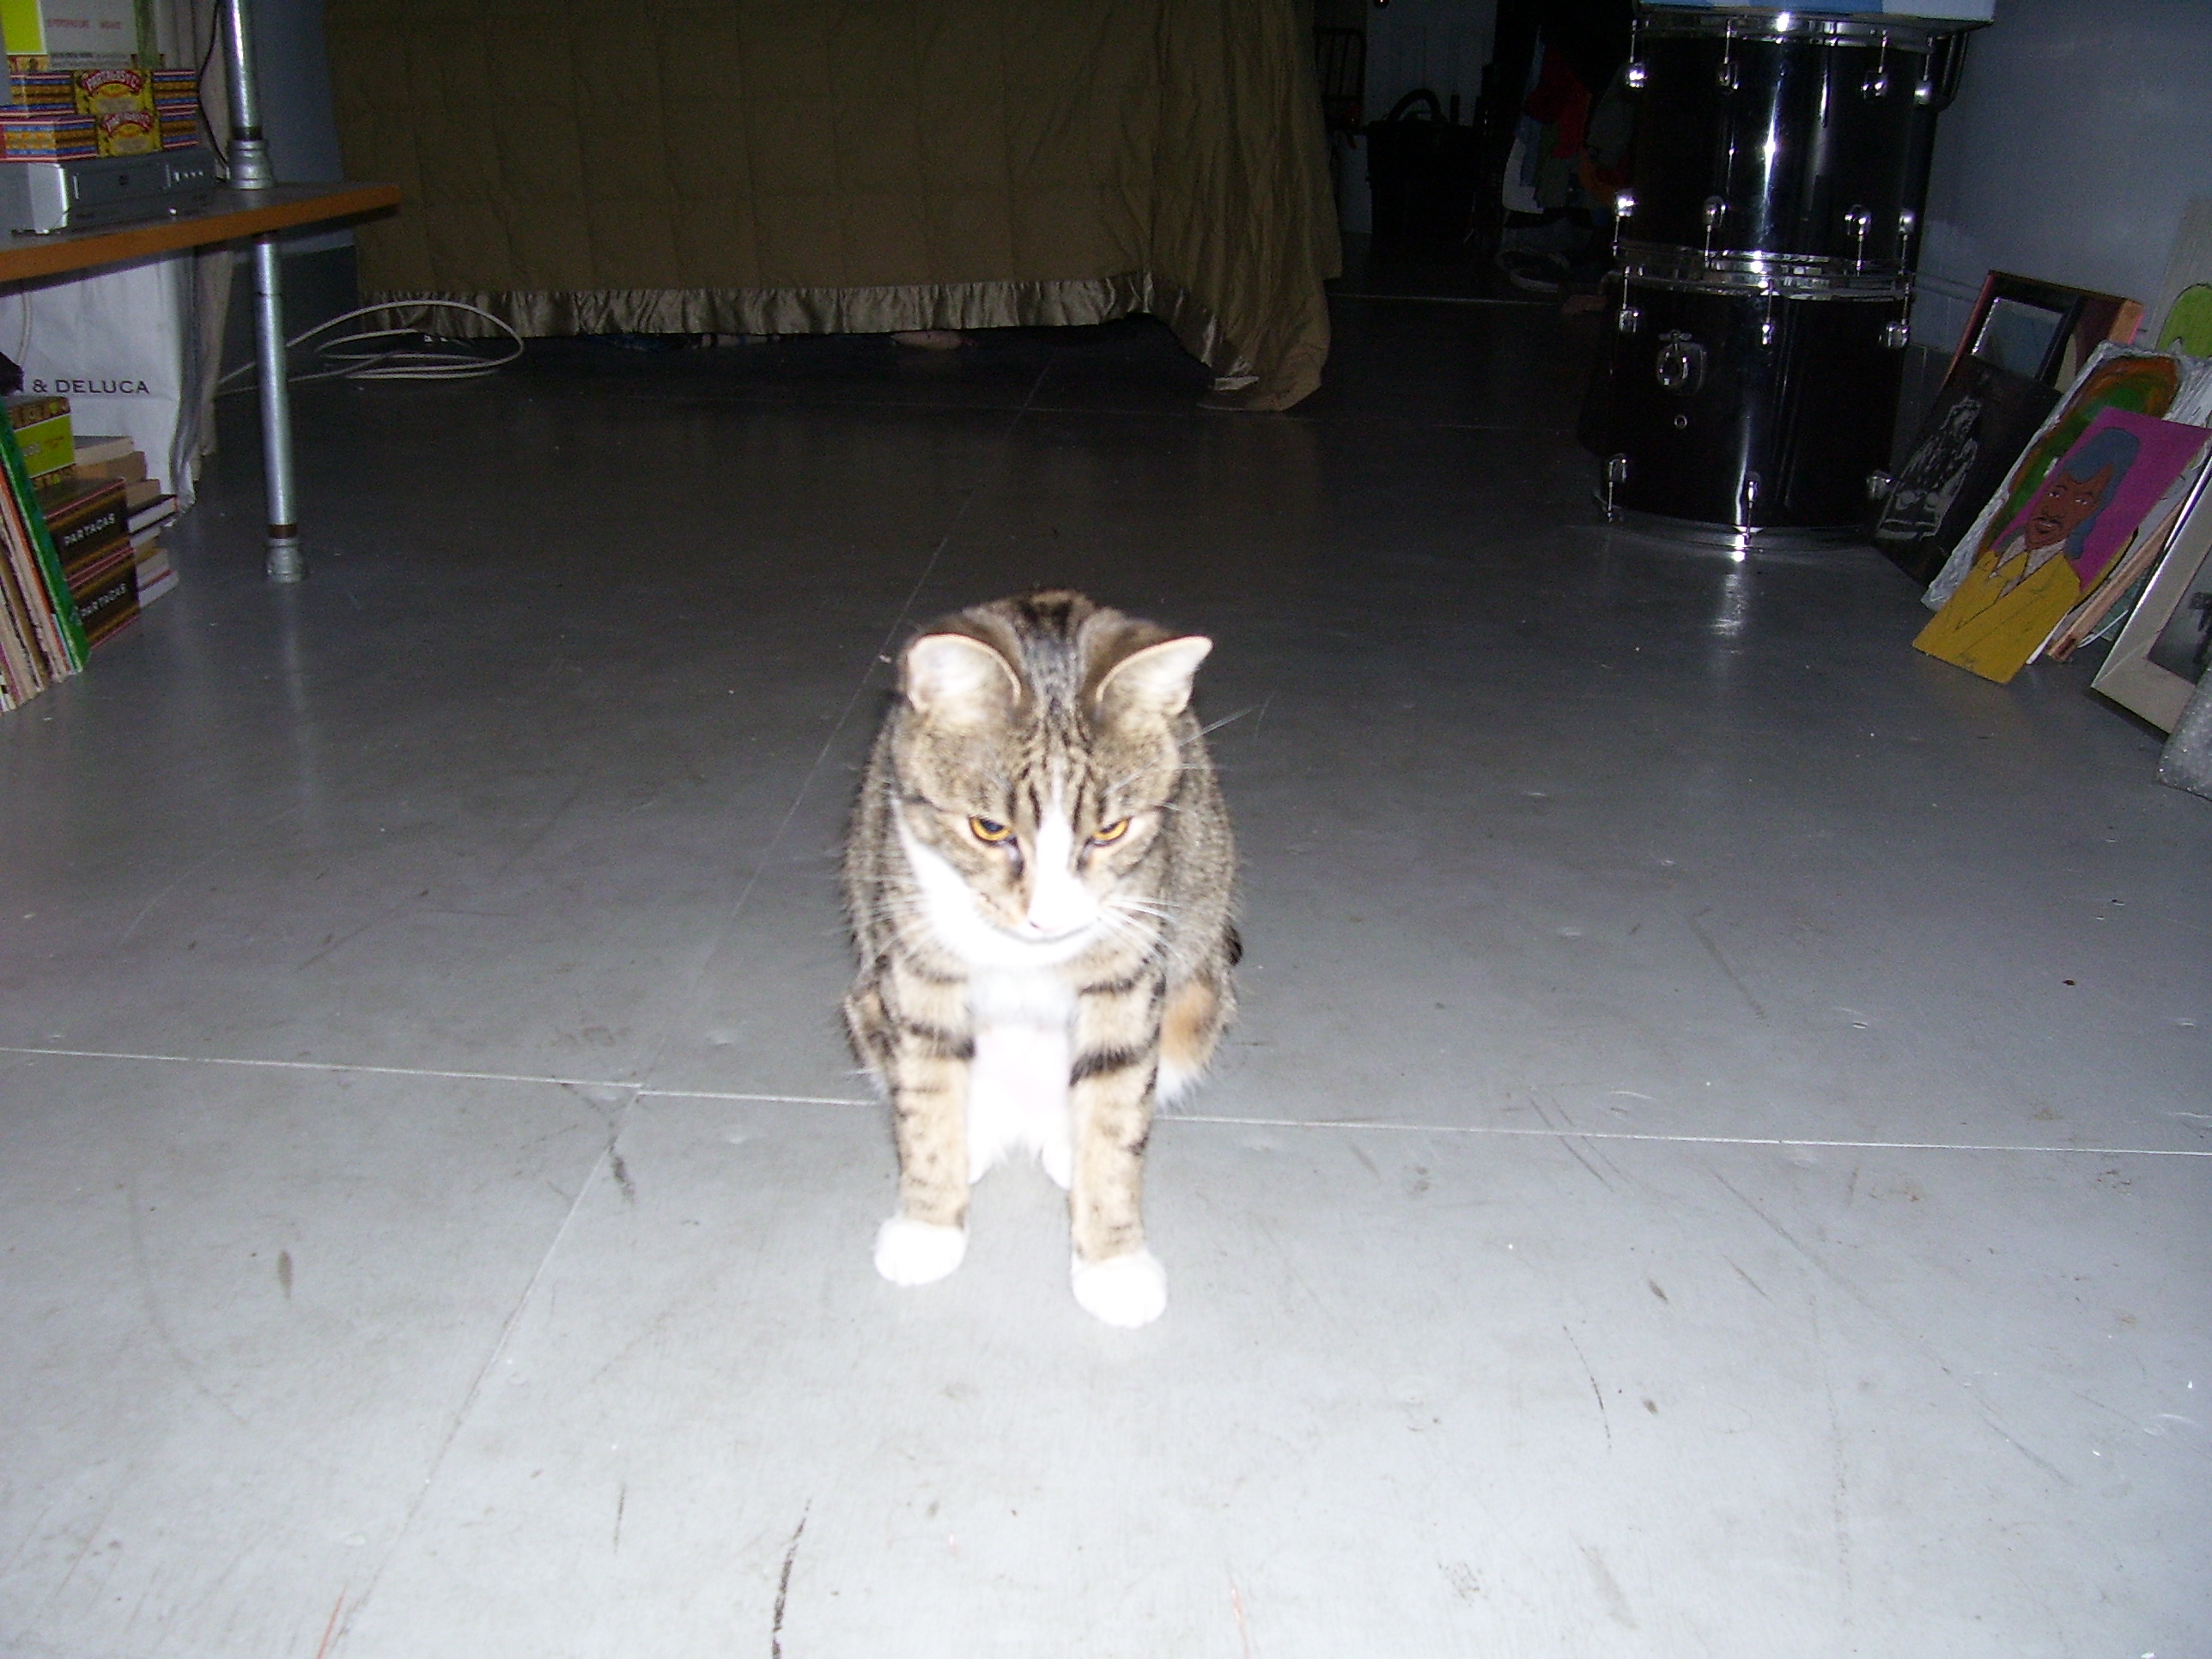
(641, 1092)
(1519, 1133)
(325, 1066)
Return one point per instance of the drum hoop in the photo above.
(1795, 276)
(1788, 28)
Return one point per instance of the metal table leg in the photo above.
(284, 562)
(250, 170)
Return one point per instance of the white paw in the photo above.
(918, 1252)
(1127, 1290)
(1058, 1158)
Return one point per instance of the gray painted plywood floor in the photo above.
(1715, 1159)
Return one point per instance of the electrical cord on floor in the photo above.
(447, 361)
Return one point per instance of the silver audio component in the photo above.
(104, 190)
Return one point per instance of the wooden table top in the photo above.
(231, 215)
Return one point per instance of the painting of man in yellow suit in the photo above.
(2026, 580)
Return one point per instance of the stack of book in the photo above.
(177, 102)
(150, 508)
(62, 115)
(34, 137)
(80, 552)
(42, 639)
(90, 526)
(41, 424)
(44, 123)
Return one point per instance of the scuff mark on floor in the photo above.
(1608, 1587)
(622, 1502)
(156, 1314)
(1749, 1280)
(1237, 1606)
(783, 1585)
(1722, 962)
(1545, 1118)
(1597, 1394)
(1983, 1410)
(620, 1170)
(332, 1628)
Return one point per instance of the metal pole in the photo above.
(250, 170)
(284, 563)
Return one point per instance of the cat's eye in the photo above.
(986, 829)
(1110, 832)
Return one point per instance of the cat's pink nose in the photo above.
(1054, 915)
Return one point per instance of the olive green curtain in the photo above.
(802, 165)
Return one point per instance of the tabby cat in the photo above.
(1038, 875)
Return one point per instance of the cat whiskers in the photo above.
(1138, 920)
(1135, 906)
(890, 906)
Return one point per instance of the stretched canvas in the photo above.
(1982, 418)
(2083, 514)
(2157, 383)
(2181, 314)
(2025, 343)
(2159, 662)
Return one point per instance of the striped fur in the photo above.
(1032, 973)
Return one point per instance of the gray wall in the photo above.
(293, 72)
(2081, 130)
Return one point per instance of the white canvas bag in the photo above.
(123, 346)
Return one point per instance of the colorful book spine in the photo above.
(19, 504)
(46, 445)
(91, 534)
(177, 102)
(106, 589)
(22, 675)
(50, 91)
(25, 407)
(37, 629)
(48, 138)
(84, 523)
(180, 125)
(111, 605)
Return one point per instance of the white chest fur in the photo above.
(1022, 1007)
(1017, 1090)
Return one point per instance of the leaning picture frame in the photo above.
(2162, 654)
(2159, 383)
(2044, 330)
(2025, 343)
(1982, 416)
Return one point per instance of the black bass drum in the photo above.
(1738, 414)
(1785, 133)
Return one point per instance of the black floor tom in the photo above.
(1747, 413)
(1784, 133)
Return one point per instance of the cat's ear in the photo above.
(1153, 684)
(959, 680)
